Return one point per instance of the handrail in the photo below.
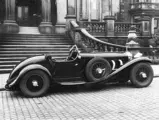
(93, 43)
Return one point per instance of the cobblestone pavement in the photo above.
(112, 102)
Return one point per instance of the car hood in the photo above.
(102, 54)
(19, 67)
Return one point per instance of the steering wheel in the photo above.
(73, 52)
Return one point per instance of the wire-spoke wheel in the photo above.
(141, 75)
(35, 83)
(97, 69)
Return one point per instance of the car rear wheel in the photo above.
(141, 75)
(97, 69)
(35, 83)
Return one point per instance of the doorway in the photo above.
(28, 12)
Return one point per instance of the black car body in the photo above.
(34, 75)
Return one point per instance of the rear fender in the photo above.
(129, 64)
(29, 68)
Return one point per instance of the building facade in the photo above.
(52, 16)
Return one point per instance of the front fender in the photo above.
(27, 69)
(130, 63)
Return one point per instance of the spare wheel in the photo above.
(97, 69)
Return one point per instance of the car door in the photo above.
(69, 70)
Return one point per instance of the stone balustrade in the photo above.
(145, 5)
(121, 29)
(95, 27)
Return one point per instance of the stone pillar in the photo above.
(132, 42)
(110, 20)
(45, 26)
(105, 8)
(10, 25)
(146, 24)
(84, 4)
(71, 13)
(61, 14)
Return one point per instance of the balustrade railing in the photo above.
(145, 5)
(94, 28)
(90, 42)
(122, 29)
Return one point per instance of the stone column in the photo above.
(61, 14)
(10, 25)
(45, 26)
(110, 20)
(71, 13)
(105, 8)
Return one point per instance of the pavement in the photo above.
(111, 102)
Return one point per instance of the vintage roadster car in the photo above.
(35, 75)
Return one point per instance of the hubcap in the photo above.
(143, 75)
(99, 70)
(35, 83)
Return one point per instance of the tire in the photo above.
(141, 75)
(97, 69)
(35, 83)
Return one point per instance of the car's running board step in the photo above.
(73, 83)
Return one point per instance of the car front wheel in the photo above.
(35, 83)
(141, 75)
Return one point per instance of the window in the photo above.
(146, 26)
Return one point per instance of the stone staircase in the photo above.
(16, 47)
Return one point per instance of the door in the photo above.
(22, 15)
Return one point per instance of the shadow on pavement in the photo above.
(87, 88)
(59, 89)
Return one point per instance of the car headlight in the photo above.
(129, 54)
(138, 54)
(133, 55)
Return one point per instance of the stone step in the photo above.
(33, 39)
(7, 66)
(6, 70)
(8, 58)
(35, 43)
(31, 52)
(28, 30)
(36, 46)
(34, 49)
(32, 35)
(9, 62)
(31, 55)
